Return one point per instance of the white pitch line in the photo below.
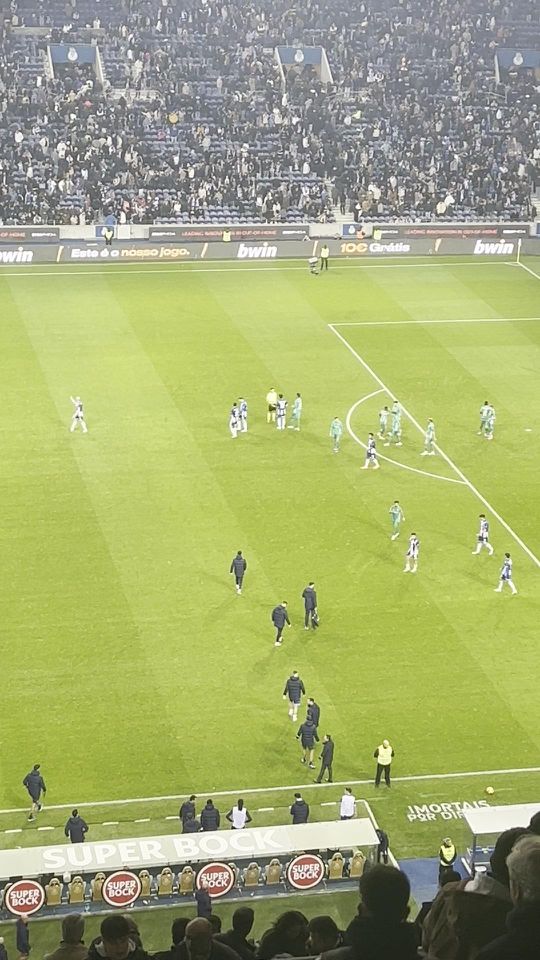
(529, 270)
(240, 268)
(441, 452)
(382, 456)
(398, 323)
(287, 787)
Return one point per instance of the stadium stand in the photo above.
(185, 117)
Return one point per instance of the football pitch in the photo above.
(132, 670)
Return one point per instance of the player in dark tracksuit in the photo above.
(310, 606)
(294, 689)
(238, 567)
(307, 734)
(327, 758)
(279, 618)
(35, 785)
(313, 711)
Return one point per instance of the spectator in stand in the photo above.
(237, 937)
(460, 922)
(76, 827)
(22, 936)
(287, 935)
(534, 825)
(238, 816)
(71, 945)
(191, 824)
(115, 942)
(178, 930)
(199, 943)
(381, 930)
(299, 810)
(522, 939)
(187, 809)
(451, 876)
(215, 922)
(323, 935)
(210, 818)
(3, 951)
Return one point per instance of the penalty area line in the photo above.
(441, 452)
(401, 323)
(381, 456)
(407, 778)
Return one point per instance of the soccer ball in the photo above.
(490, 791)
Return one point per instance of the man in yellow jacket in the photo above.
(447, 856)
(383, 755)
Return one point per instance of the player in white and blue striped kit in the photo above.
(483, 536)
(506, 575)
(77, 419)
(411, 557)
(243, 415)
(234, 420)
(371, 453)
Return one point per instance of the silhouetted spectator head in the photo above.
(115, 933)
(178, 929)
(385, 893)
(524, 868)
(503, 848)
(198, 937)
(242, 921)
(323, 934)
(534, 825)
(216, 924)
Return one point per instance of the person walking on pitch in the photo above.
(296, 413)
(293, 692)
(309, 597)
(279, 618)
(77, 419)
(243, 415)
(383, 421)
(485, 413)
(35, 785)
(395, 430)
(397, 515)
(336, 431)
(482, 539)
(411, 557)
(506, 575)
(313, 711)
(234, 420)
(307, 734)
(238, 567)
(383, 755)
(429, 440)
(490, 424)
(281, 412)
(271, 402)
(371, 453)
(326, 758)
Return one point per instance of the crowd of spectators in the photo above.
(187, 118)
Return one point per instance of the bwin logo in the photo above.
(261, 252)
(501, 248)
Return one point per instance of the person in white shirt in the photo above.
(347, 808)
(77, 419)
(238, 816)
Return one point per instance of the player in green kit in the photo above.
(429, 440)
(296, 413)
(394, 436)
(397, 516)
(383, 420)
(336, 430)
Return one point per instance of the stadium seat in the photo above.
(76, 890)
(53, 892)
(186, 881)
(165, 882)
(96, 886)
(357, 864)
(335, 866)
(273, 871)
(146, 883)
(252, 875)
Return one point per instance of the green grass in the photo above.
(130, 666)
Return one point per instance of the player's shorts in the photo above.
(482, 539)
(271, 408)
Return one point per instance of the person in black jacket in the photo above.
(204, 903)
(238, 567)
(35, 785)
(210, 818)
(23, 937)
(76, 827)
(279, 618)
(299, 809)
(313, 711)
(310, 606)
(294, 689)
(191, 825)
(307, 734)
(187, 809)
(380, 929)
(236, 938)
(382, 849)
(326, 758)
(178, 930)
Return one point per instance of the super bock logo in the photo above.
(305, 871)
(121, 888)
(217, 877)
(24, 897)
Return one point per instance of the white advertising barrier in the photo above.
(138, 852)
